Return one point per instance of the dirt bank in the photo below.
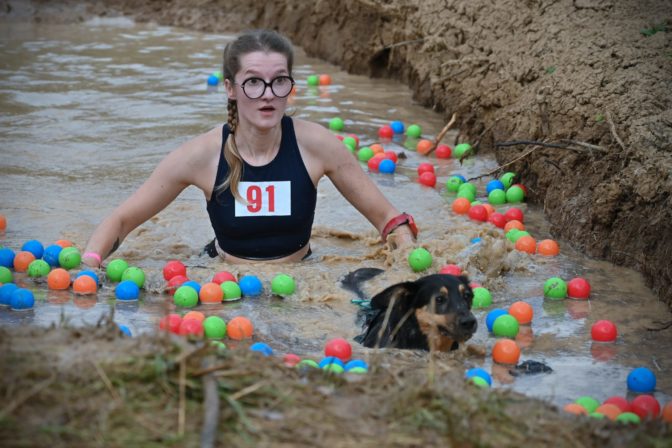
(595, 72)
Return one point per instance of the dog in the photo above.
(432, 313)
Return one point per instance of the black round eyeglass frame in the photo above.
(244, 85)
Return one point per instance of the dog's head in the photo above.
(433, 312)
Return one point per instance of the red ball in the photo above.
(514, 213)
(385, 132)
(173, 268)
(621, 402)
(478, 213)
(191, 327)
(290, 359)
(425, 168)
(451, 269)
(340, 137)
(170, 323)
(646, 406)
(175, 283)
(374, 162)
(224, 276)
(578, 288)
(497, 219)
(391, 155)
(474, 285)
(603, 331)
(428, 179)
(443, 152)
(339, 348)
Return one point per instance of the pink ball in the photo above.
(385, 132)
(603, 331)
(578, 288)
(514, 213)
(478, 213)
(428, 179)
(338, 347)
(451, 269)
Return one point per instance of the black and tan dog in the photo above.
(431, 313)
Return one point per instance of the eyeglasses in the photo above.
(255, 88)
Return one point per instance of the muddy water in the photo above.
(87, 112)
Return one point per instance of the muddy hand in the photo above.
(401, 238)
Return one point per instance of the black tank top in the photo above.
(278, 217)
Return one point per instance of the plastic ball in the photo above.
(588, 403)
(7, 257)
(505, 326)
(90, 273)
(629, 418)
(6, 275)
(262, 348)
(69, 258)
(492, 316)
(191, 327)
(443, 152)
(240, 328)
(479, 372)
(611, 411)
(85, 285)
(555, 288)
(667, 412)
(453, 183)
(603, 331)
(231, 291)
(507, 179)
(214, 327)
(462, 150)
(522, 187)
(64, 243)
(283, 285)
(51, 254)
(365, 154)
(6, 292)
(171, 323)
(515, 195)
(641, 380)
(250, 285)
(461, 206)
(211, 292)
(125, 330)
(397, 127)
(58, 279)
(22, 260)
(3, 223)
(324, 80)
(336, 124)
(514, 214)
(392, 156)
(34, 247)
(423, 146)
(291, 359)
(313, 80)
(478, 381)
(575, 409)
(374, 162)
(548, 248)
(351, 143)
(171, 269)
(329, 360)
(22, 299)
(387, 166)
(506, 351)
(526, 244)
(414, 131)
(194, 315)
(356, 364)
(126, 290)
(619, 401)
(419, 259)
(175, 283)
(482, 298)
(185, 296)
(377, 148)
(514, 224)
(494, 185)
(213, 80)
(497, 219)
(427, 179)
(425, 168)
(385, 132)
(578, 288)
(451, 269)
(645, 406)
(307, 363)
(478, 213)
(194, 284)
(467, 194)
(115, 269)
(339, 348)
(497, 197)
(522, 311)
(134, 274)
(512, 235)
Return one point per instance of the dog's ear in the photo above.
(465, 290)
(396, 293)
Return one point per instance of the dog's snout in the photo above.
(468, 323)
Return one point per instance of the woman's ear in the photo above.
(230, 89)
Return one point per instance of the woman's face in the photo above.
(266, 111)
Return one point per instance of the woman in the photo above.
(259, 172)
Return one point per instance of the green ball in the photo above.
(515, 195)
(38, 268)
(335, 368)
(115, 269)
(512, 235)
(313, 80)
(186, 297)
(505, 326)
(365, 153)
(482, 298)
(283, 285)
(214, 327)
(219, 75)
(419, 259)
(308, 363)
(476, 203)
(358, 370)
(596, 415)
(588, 402)
(6, 275)
(467, 194)
(507, 179)
(414, 131)
(231, 291)
(467, 186)
(518, 235)
(219, 345)
(336, 124)
(69, 258)
(461, 150)
(136, 275)
(497, 197)
(351, 143)
(555, 288)
(628, 417)
(480, 382)
(453, 184)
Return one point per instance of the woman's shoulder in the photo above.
(312, 136)
(202, 146)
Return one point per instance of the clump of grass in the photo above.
(650, 31)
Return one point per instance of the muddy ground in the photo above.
(597, 73)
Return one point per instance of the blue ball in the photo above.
(6, 292)
(356, 363)
(51, 255)
(397, 127)
(477, 371)
(461, 177)
(22, 299)
(331, 360)
(262, 348)
(194, 284)
(7, 257)
(91, 274)
(492, 316)
(387, 166)
(124, 329)
(641, 380)
(250, 285)
(34, 247)
(127, 290)
(213, 80)
(494, 185)
(476, 240)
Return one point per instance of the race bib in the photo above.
(265, 199)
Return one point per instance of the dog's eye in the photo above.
(440, 299)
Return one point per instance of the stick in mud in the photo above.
(442, 134)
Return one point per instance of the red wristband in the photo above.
(94, 255)
(397, 221)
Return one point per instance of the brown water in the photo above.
(87, 112)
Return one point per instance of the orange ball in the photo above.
(423, 146)
(84, 285)
(3, 222)
(514, 224)
(610, 410)
(506, 351)
(576, 409)
(64, 243)
(325, 80)
(461, 206)
(667, 412)
(58, 279)
(489, 208)
(239, 328)
(195, 314)
(211, 293)
(377, 148)
(549, 248)
(22, 259)
(526, 244)
(522, 311)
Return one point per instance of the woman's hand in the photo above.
(401, 238)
